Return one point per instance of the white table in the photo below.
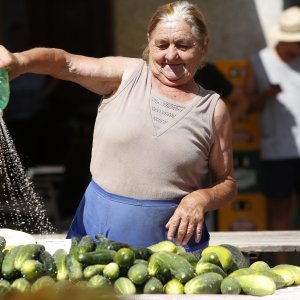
(259, 241)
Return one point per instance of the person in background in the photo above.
(157, 136)
(273, 87)
(211, 78)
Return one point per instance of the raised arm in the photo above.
(99, 75)
(189, 215)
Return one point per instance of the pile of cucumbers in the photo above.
(164, 268)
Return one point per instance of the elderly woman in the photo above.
(158, 135)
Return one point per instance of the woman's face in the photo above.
(174, 53)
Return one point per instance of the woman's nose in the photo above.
(171, 54)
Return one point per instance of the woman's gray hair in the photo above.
(179, 10)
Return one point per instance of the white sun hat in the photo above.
(288, 29)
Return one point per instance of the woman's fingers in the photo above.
(172, 226)
(189, 232)
(182, 231)
(198, 232)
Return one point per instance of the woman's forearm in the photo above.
(219, 195)
(49, 61)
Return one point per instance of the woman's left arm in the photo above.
(189, 215)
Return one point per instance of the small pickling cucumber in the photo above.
(90, 271)
(206, 283)
(153, 286)
(30, 251)
(8, 265)
(97, 257)
(32, 269)
(124, 286)
(86, 244)
(59, 257)
(21, 285)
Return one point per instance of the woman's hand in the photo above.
(188, 218)
(10, 62)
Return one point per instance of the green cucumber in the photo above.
(293, 269)
(207, 283)
(164, 274)
(21, 285)
(8, 265)
(124, 286)
(163, 246)
(92, 270)
(86, 244)
(98, 281)
(111, 271)
(138, 273)
(141, 252)
(259, 266)
(48, 262)
(140, 261)
(105, 243)
(74, 268)
(211, 258)
(190, 257)
(285, 274)
(5, 287)
(230, 286)
(278, 279)
(43, 282)
(180, 249)
(74, 246)
(124, 257)
(59, 257)
(242, 271)
(240, 259)
(224, 255)
(30, 251)
(73, 265)
(153, 286)
(256, 285)
(180, 268)
(32, 269)
(206, 267)
(174, 287)
(97, 257)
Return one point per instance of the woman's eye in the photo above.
(162, 46)
(183, 47)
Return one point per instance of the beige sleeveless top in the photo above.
(134, 158)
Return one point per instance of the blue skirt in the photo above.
(133, 221)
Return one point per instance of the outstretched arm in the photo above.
(99, 75)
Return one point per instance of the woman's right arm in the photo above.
(99, 75)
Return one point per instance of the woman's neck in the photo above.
(183, 93)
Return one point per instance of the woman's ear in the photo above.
(205, 45)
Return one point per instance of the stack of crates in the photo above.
(248, 211)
